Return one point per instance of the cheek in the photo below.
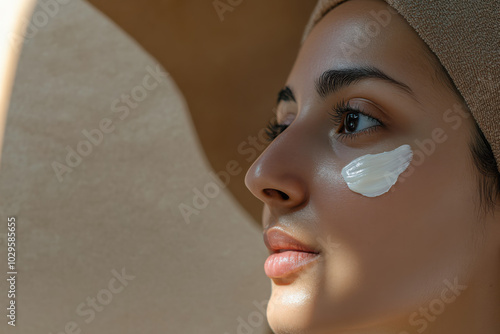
(405, 242)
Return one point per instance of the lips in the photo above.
(288, 255)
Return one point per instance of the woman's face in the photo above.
(379, 259)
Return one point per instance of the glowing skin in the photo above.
(372, 175)
(383, 262)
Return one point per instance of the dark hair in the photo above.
(489, 176)
(480, 149)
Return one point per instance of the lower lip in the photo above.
(283, 264)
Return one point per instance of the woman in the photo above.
(381, 184)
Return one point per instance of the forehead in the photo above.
(362, 33)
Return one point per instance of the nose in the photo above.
(279, 175)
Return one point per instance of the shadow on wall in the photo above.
(229, 59)
(92, 187)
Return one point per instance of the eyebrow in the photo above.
(332, 81)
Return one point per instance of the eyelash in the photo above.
(338, 113)
(274, 129)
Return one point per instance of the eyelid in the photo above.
(379, 114)
(287, 119)
(338, 113)
(343, 107)
(286, 112)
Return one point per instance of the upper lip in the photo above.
(277, 241)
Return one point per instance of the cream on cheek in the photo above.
(372, 175)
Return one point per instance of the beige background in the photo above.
(229, 71)
(118, 210)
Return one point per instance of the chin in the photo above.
(292, 308)
(286, 320)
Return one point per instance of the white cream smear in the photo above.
(372, 175)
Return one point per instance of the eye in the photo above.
(352, 121)
(356, 121)
(274, 129)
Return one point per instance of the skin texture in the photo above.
(386, 263)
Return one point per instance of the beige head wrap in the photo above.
(465, 36)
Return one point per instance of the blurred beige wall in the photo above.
(10, 28)
(228, 70)
(102, 245)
